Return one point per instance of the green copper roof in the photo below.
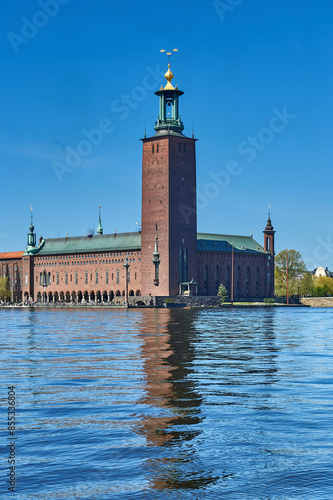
(224, 243)
(96, 243)
(132, 241)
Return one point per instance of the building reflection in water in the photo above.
(171, 395)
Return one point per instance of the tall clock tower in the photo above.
(169, 215)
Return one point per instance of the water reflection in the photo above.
(168, 353)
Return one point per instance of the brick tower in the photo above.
(269, 247)
(169, 215)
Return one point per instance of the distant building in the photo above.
(167, 257)
(320, 271)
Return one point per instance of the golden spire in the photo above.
(169, 75)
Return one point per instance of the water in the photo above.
(169, 404)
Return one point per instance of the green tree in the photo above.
(222, 293)
(296, 270)
(325, 284)
(4, 288)
(307, 285)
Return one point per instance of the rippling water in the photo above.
(170, 404)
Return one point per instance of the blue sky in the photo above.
(68, 66)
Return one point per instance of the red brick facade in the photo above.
(96, 277)
(11, 268)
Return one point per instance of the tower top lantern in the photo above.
(169, 120)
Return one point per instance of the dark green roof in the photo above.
(96, 243)
(225, 242)
(132, 241)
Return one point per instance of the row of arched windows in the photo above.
(252, 281)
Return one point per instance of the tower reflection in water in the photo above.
(174, 421)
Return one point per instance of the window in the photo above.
(66, 278)
(86, 277)
(157, 148)
(206, 280)
(57, 278)
(128, 276)
(76, 278)
(117, 274)
(96, 277)
(153, 149)
(106, 276)
(26, 279)
(217, 278)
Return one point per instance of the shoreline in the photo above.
(166, 306)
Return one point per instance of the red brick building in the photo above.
(167, 257)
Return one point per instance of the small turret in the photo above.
(156, 261)
(31, 236)
(99, 227)
(269, 236)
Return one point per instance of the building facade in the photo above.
(166, 257)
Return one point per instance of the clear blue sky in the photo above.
(239, 69)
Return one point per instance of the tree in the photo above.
(307, 285)
(323, 286)
(4, 288)
(222, 293)
(296, 270)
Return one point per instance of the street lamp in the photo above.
(126, 266)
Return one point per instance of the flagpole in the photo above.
(232, 274)
(287, 279)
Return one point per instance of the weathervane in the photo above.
(169, 54)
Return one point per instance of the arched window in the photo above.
(238, 281)
(257, 281)
(206, 280)
(248, 281)
(183, 265)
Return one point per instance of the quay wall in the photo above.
(317, 301)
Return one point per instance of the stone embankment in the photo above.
(317, 301)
